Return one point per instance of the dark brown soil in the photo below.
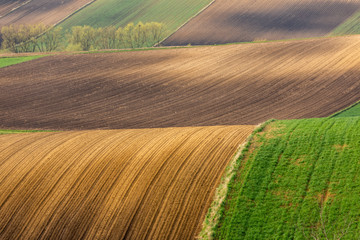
(35, 11)
(7, 6)
(223, 85)
(228, 21)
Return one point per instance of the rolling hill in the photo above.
(227, 21)
(115, 184)
(49, 12)
(220, 85)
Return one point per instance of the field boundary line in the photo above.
(73, 13)
(181, 26)
(213, 215)
(344, 109)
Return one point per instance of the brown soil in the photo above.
(35, 11)
(115, 184)
(7, 6)
(228, 21)
(204, 86)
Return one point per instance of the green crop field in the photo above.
(350, 26)
(7, 61)
(299, 179)
(101, 13)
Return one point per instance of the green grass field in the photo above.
(103, 13)
(296, 176)
(7, 61)
(350, 26)
(8, 131)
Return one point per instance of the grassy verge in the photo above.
(350, 26)
(217, 206)
(299, 179)
(7, 61)
(8, 131)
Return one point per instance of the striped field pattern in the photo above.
(112, 184)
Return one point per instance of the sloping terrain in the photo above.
(224, 85)
(102, 13)
(39, 11)
(115, 184)
(227, 21)
(299, 180)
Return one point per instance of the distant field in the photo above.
(227, 21)
(35, 11)
(7, 61)
(118, 184)
(296, 176)
(350, 26)
(120, 12)
(203, 86)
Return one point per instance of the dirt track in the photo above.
(118, 184)
(228, 21)
(35, 11)
(224, 85)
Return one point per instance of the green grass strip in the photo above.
(9, 131)
(8, 61)
(217, 206)
(350, 26)
(299, 179)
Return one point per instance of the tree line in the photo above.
(43, 38)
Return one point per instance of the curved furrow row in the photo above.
(223, 85)
(126, 184)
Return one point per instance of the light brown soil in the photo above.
(228, 21)
(48, 12)
(116, 184)
(205, 86)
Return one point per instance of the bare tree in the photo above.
(321, 232)
(50, 40)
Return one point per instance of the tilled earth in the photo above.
(227, 21)
(35, 11)
(115, 184)
(203, 86)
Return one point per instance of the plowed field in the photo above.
(228, 21)
(7, 6)
(223, 85)
(115, 184)
(35, 11)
